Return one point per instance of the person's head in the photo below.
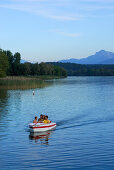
(46, 117)
(36, 117)
(41, 116)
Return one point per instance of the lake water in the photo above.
(82, 107)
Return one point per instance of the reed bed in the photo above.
(22, 82)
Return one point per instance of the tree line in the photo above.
(10, 65)
(86, 70)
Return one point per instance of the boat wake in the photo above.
(78, 123)
(75, 118)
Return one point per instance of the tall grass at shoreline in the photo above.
(15, 82)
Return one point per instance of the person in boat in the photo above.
(46, 120)
(40, 120)
(35, 120)
(43, 117)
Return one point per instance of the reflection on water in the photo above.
(3, 103)
(3, 96)
(43, 137)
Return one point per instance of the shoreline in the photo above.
(26, 82)
(43, 77)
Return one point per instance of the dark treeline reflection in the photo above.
(3, 96)
(3, 101)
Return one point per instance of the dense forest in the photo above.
(86, 70)
(10, 66)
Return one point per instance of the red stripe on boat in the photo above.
(43, 126)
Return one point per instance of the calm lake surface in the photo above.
(82, 107)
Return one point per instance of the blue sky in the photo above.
(51, 30)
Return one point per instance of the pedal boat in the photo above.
(41, 127)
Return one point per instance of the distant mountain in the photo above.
(23, 61)
(101, 57)
(109, 61)
(72, 60)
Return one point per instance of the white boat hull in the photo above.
(41, 127)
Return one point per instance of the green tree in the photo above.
(64, 72)
(43, 70)
(16, 63)
(17, 58)
(3, 64)
(59, 71)
(27, 69)
(10, 60)
(50, 69)
(35, 69)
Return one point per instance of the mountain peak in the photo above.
(99, 57)
(101, 52)
(105, 54)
